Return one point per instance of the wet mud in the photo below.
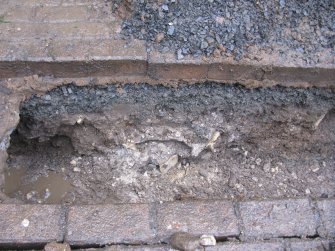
(144, 143)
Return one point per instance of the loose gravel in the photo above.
(232, 28)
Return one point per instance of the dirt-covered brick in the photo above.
(257, 246)
(311, 245)
(278, 218)
(327, 211)
(104, 224)
(197, 217)
(29, 224)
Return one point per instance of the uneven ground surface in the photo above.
(143, 143)
(233, 28)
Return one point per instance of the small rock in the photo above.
(254, 179)
(73, 162)
(308, 191)
(76, 169)
(54, 246)
(204, 173)
(80, 121)
(217, 53)
(171, 30)
(282, 3)
(64, 90)
(159, 37)
(210, 40)
(266, 167)
(25, 223)
(47, 97)
(180, 55)
(165, 8)
(30, 195)
(203, 45)
(185, 241)
(207, 240)
(171, 162)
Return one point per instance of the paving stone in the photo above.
(314, 245)
(279, 218)
(139, 248)
(59, 14)
(16, 31)
(197, 217)
(327, 211)
(104, 224)
(29, 224)
(166, 66)
(258, 246)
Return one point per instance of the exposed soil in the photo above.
(141, 143)
(233, 27)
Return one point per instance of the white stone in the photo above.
(207, 240)
(25, 223)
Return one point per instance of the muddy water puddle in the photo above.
(49, 189)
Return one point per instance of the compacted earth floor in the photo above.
(145, 143)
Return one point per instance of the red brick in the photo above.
(327, 211)
(198, 217)
(43, 224)
(279, 218)
(257, 246)
(165, 66)
(233, 72)
(177, 71)
(105, 224)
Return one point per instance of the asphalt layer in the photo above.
(231, 28)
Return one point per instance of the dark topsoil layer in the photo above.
(198, 27)
(139, 143)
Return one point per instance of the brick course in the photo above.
(106, 224)
(327, 213)
(30, 224)
(278, 218)
(199, 217)
(257, 246)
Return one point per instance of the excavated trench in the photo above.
(144, 143)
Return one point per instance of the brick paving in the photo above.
(268, 219)
(152, 224)
(212, 217)
(30, 224)
(103, 224)
(78, 38)
(327, 214)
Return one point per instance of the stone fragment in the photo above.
(207, 240)
(159, 37)
(54, 246)
(185, 242)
